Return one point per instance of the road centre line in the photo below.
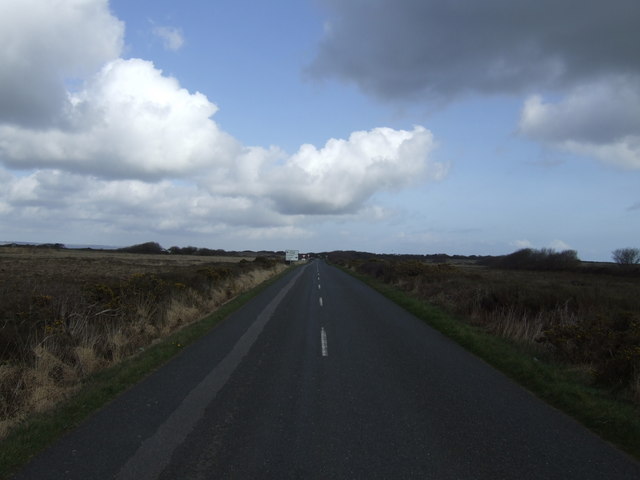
(323, 342)
(321, 301)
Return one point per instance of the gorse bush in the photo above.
(196, 251)
(610, 344)
(390, 271)
(543, 259)
(145, 248)
(265, 262)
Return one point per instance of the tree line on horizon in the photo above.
(525, 258)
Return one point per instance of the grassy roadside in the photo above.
(613, 419)
(42, 429)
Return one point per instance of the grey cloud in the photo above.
(46, 44)
(602, 112)
(600, 120)
(295, 202)
(32, 100)
(404, 49)
(47, 196)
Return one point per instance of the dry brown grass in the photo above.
(67, 314)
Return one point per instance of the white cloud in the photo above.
(124, 148)
(342, 175)
(336, 179)
(522, 244)
(129, 122)
(172, 37)
(559, 245)
(47, 197)
(235, 202)
(600, 120)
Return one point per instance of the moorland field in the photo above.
(66, 314)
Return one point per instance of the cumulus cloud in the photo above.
(46, 43)
(129, 121)
(263, 194)
(559, 245)
(338, 178)
(342, 175)
(67, 101)
(116, 144)
(172, 37)
(439, 48)
(600, 119)
(522, 244)
(554, 245)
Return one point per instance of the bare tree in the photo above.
(626, 256)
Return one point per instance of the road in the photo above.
(321, 377)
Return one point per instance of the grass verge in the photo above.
(41, 430)
(598, 409)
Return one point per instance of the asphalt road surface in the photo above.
(321, 377)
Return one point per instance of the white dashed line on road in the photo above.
(323, 342)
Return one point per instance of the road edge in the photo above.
(41, 430)
(612, 420)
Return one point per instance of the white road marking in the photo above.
(318, 286)
(320, 301)
(323, 342)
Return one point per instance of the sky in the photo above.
(388, 126)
